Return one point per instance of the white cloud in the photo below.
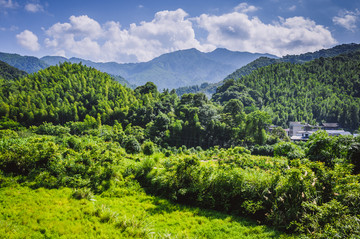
(28, 40)
(83, 36)
(347, 19)
(169, 31)
(244, 8)
(32, 7)
(236, 31)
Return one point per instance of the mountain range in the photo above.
(187, 71)
(171, 70)
(210, 89)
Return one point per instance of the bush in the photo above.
(240, 150)
(148, 148)
(289, 150)
(50, 129)
(264, 150)
(132, 146)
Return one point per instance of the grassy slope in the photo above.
(127, 213)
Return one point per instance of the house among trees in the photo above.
(301, 132)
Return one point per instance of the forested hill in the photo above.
(63, 93)
(265, 61)
(8, 72)
(209, 89)
(326, 89)
(29, 64)
(82, 98)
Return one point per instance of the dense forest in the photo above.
(326, 89)
(71, 93)
(89, 149)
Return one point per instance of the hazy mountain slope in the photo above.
(265, 61)
(30, 64)
(8, 72)
(175, 69)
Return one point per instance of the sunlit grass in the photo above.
(55, 213)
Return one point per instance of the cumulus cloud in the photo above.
(236, 31)
(28, 40)
(34, 7)
(347, 19)
(244, 8)
(85, 37)
(169, 31)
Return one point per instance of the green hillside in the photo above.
(265, 61)
(326, 89)
(8, 72)
(64, 93)
(296, 59)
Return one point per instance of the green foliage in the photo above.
(6, 123)
(148, 148)
(328, 149)
(280, 133)
(326, 89)
(132, 146)
(50, 129)
(289, 150)
(82, 193)
(8, 72)
(64, 93)
(265, 150)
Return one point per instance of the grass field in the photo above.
(125, 213)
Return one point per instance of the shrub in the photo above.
(50, 129)
(132, 146)
(82, 193)
(264, 150)
(289, 150)
(240, 150)
(148, 148)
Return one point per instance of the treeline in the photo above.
(238, 114)
(73, 94)
(326, 89)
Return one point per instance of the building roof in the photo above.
(330, 125)
(338, 132)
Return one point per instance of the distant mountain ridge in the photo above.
(30, 64)
(175, 69)
(209, 89)
(184, 70)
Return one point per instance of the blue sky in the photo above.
(139, 30)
